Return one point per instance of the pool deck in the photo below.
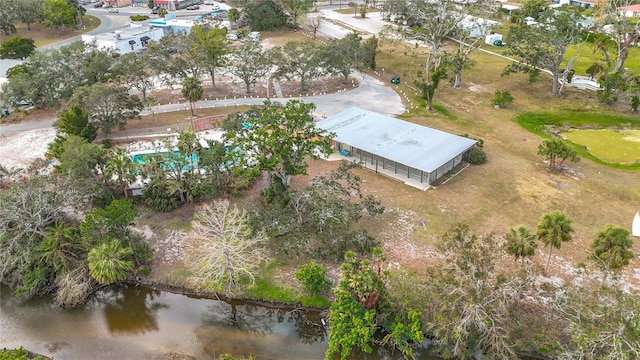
(151, 146)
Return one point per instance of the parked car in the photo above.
(233, 36)
(254, 36)
(114, 10)
(208, 2)
(98, 5)
(154, 11)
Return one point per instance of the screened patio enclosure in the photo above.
(392, 146)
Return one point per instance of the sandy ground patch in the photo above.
(21, 149)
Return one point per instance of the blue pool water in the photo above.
(169, 159)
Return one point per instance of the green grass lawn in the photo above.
(533, 120)
(584, 50)
(622, 147)
(587, 56)
(46, 36)
(616, 149)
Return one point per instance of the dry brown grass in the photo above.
(514, 187)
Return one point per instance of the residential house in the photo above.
(629, 11)
(415, 154)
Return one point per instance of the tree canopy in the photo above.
(521, 243)
(250, 63)
(192, 91)
(553, 229)
(281, 139)
(226, 250)
(560, 29)
(612, 248)
(300, 61)
(211, 45)
(57, 14)
(557, 152)
(28, 11)
(17, 48)
(264, 15)
(75, 121)
(108, 106)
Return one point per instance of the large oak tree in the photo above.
(542, 46)
(281, 140)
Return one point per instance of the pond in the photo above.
(614, 146)
(141, 323)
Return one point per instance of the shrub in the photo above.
(502, 98)
(477, 156)
(160, 197)
(139, 17)
(312, 277)
(106, 143)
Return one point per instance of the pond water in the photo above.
(141, 323)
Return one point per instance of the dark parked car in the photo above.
(395, 80)
(193, 7)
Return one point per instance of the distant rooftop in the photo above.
(125, 33)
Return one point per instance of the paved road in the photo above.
(107, 24)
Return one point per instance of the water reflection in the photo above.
(308, 326)
(261, 320)
(141, 323)
(239, 317)
(266, 333)
(131, 310)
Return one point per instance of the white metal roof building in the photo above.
(126, 40)
(385, 143)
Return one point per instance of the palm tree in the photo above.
(554, 229)
(120, 168)
(60, 248)
(110, 262)
(233, 16)
(611, 248)
(162, 12)
(557, 151)
(521, 243)
(192, 91)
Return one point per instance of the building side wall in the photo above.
(378, 162)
